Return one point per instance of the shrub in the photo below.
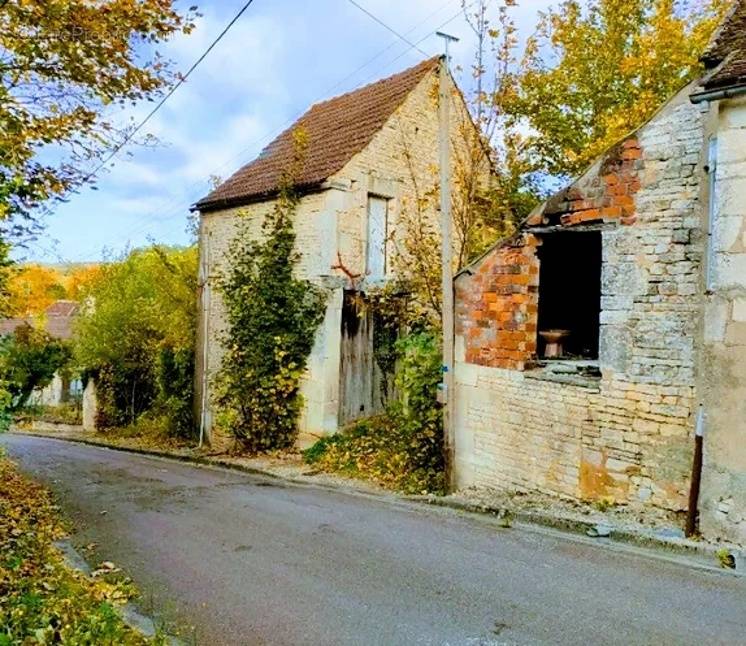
(65, 413)
(402, 449)
(123, 393)
(6, 417)
(175, 388)
(137, 338)
(272, 320)
(29, 357)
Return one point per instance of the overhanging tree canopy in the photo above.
(62, 62)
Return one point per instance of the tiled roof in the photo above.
(726, 53)
(336, 129)
(62, 308)
(58, 320)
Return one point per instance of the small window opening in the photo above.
(378, 208)
(569, 295)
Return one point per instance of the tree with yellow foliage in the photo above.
(596, 70)
(62, 64)
(32, 288)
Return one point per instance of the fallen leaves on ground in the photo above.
(373, 450)
(42, 600)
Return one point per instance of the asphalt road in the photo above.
(250, 560)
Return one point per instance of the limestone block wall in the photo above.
(401, 163)
(629, 434)
(53, 394)
(516, 433)
(723, 498)
(90, 406)
(315, 227)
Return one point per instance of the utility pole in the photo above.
(446, 225)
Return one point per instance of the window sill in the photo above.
(583, 373)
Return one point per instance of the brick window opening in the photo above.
(570, 293)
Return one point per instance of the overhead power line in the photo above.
(425, 37)
(169, 94)
(327, 93)
(385, 26)
(176, 205)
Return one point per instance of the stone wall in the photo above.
(90, 406)
(315, 225)
(401, 163)
(53, 394)
(723, 499)
(627, 435)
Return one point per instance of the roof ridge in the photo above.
(710, 54)
(368, 86)
(725, 54)
(338, 128)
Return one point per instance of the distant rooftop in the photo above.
(58, 320)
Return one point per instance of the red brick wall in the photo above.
(497, 306)
(497, 303)
(604, 194)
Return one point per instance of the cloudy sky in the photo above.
(278, 59)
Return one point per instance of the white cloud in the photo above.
(277, 59)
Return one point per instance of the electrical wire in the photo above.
(385, 26)
(177, 205)
(169, 94)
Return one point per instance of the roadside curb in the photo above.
(195, 459)
(681, 547)
(128, 611)
(678, 546)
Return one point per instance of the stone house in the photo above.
(370, 153)
(595, 343)
(57, 321)
(722, 376)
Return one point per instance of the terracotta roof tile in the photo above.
(726, 53)
(62, 308)
(58, 320)
(337, 129)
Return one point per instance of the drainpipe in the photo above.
(692, 510)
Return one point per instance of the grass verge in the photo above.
(42, 600)
(67, 413)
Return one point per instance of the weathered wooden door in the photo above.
(360, 381)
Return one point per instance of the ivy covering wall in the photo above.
(272, 319)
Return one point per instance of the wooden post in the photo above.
(692, 509)
(447, 311)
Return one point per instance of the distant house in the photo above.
(593, 345)
(57, 321)
(367, 152)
